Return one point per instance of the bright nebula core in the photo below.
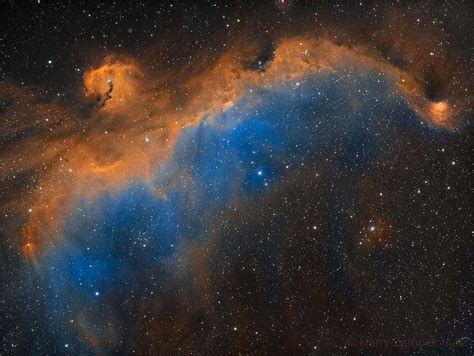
(268, 177)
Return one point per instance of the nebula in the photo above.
(113, 84)
(296, 191)
(109, 158)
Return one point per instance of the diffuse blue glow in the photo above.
(123, 241)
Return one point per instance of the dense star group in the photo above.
(270, 177)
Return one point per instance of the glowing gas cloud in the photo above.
(109, 150)
(277, 177)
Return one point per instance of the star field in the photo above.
(271, 177)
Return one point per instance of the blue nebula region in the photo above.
(123, 252)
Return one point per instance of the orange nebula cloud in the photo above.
(439, 112)
(113, 84)
(139, 117)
